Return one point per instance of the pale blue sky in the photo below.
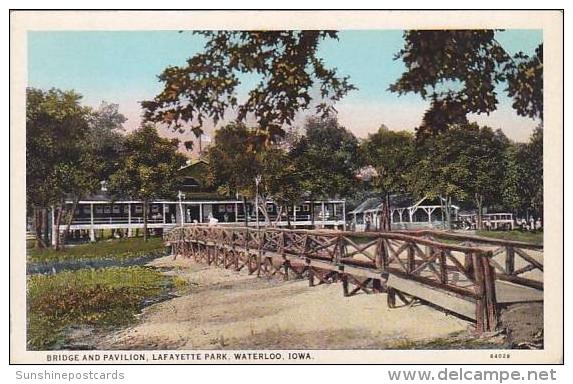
(122, 67)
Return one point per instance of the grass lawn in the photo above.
(106, 249)
(528, 237)
(101, 298)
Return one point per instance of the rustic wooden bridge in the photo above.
(468, 276)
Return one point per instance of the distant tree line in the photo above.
(472, 165)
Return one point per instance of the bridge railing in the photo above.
(514, 261)
(461, 270)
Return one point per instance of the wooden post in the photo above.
(200, 213)
(379, 260)
(237, 212)
(339, 250)
(164, 213)
(286, 266)
(310, 276)
(510, 260)
(391, 298)
(260, 253)
(491, 300)
(411, 258)
(443, 267)
(344, 279)
(479, 287)
(323, 213)
(376, 286)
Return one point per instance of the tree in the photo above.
(328, 157)
(105, 138)
(281, 180)
(237, 157)
(511, 185)
(99, 159)
(523, 184)
(148, 168)
(464, 163)
(392, 154)
(525, 84)
(535, 166)
(458, 71)
(285, 62)
(234, 162)
(56, 126)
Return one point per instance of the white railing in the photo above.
(115, 220)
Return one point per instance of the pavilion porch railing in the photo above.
(117, 220)
(363, 261)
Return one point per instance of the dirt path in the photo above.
(224, 309)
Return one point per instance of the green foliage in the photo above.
(525, 84)
(328, 156)
(117, 249)
(392, 154)
(285, 62)
(69, 149)
(56, 126)
(104, 142)
(238, 156)
(458, 71)
(234, 160)
(462, 163)
(320, 164)
(101, 298)
(523, 181)
(281, 178)
(148, 167)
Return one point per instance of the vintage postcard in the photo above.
(250, 187)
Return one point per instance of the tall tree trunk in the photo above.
(145, 208)
(385, 223)
(479, 203)
(70, 217)
(263, 209)
(59, 212)
(38, 228)
(448, 213)
(288, 217)
(46, 226)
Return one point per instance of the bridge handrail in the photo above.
(508, 249)
(399, 235)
